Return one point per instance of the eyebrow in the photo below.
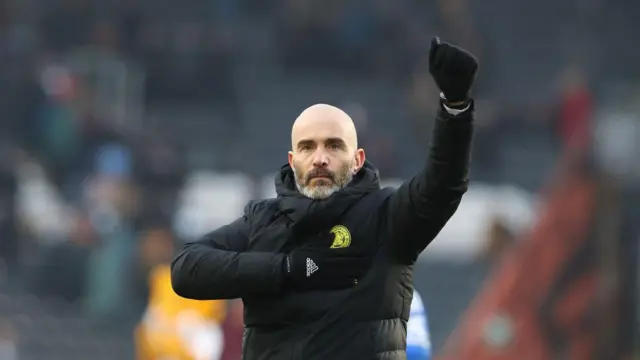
(336, 141)
(302, 143)
(333, 140)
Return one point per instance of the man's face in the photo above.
(322, 158)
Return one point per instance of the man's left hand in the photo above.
(453, 69)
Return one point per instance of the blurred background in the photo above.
(131, 126)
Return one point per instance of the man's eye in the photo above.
(334, 146)
(305, 148)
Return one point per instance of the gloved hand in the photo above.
(453, 69)
(307, 269)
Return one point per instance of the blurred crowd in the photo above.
(109, 105)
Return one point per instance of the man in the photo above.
(325, 269)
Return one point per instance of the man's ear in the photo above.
(360, 158)
(290, 158)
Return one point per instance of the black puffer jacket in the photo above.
(367, 322)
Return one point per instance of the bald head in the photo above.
(323, 120)
(324, 151)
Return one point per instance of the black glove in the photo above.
(308, 269)
(453, 69)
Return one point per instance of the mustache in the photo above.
(320, 173)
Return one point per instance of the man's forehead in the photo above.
(318, 130)
(321, 122)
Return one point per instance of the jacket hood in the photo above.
(310, 214)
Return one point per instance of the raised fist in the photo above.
(453, 69)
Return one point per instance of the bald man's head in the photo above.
(324, 118)
(324, 150)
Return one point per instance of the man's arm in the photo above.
(217, 266)
(421, 207)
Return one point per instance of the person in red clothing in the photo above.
(576, 109)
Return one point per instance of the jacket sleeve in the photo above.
(421, 206)
(218, 267)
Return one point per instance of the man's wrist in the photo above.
(456, 104)
(457, 110)
(455, 107)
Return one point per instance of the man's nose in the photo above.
(320, 159)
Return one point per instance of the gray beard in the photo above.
(321, 191)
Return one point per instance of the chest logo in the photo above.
(341, 237)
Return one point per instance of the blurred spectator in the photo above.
(499, 240)
(575, 112)
(69, 135)
(233, 327)
(61, 268)
(175, 327)
(111, 198)
(155, 247)
(160, 173)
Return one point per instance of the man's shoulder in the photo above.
(386, 192)
(254, 207)
(370, 207)
(376, 198)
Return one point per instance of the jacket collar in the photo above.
(313, 215)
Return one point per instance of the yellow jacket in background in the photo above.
(175, 328)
